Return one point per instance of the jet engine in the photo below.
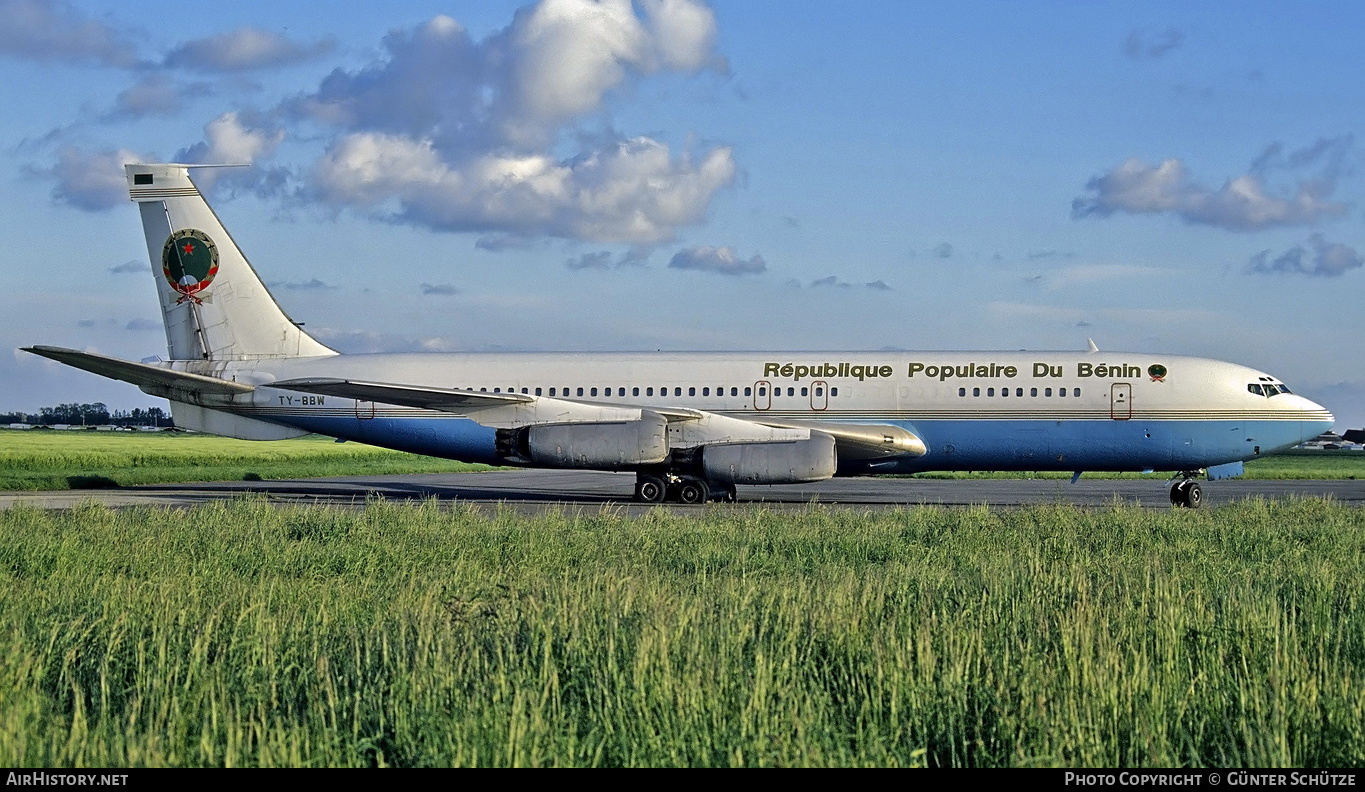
(597, 445)
(791, 462)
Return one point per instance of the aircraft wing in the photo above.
(443, 399)
(151, 379)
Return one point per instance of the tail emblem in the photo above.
(189, 260)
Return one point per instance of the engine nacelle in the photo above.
(599, 445)
(792, 462)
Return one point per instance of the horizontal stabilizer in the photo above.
(444, 399)
(152, 379)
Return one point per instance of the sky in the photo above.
(1179, 178)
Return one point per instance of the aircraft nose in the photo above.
(1316, 419)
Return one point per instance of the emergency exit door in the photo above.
(1121, 401)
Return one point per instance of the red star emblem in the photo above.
(188, 248)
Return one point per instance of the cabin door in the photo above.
(763, 395)
(819, 395)
(1121, 401)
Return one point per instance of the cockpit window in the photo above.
(1268, 388)
(1256, 389)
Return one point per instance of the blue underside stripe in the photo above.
(953, 444)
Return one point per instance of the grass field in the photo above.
(36, 460)
(32, 460)
(249, 634)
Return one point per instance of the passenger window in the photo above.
(1061, 391)
(1076, 392)
(592, 392)
(1004, 391)
(1033, 391)
(1256, 389)
(634, 391)
(649, 391)
(622, 391)
(677, 391)
(791, 391)
(961, 391)
(990, 391)
(748, 391)
(523, 390)
(483, 390)
(1047, 391)
(976, 391)
(819, 391)
(834, 391)
(497, 390)
(706, 391)
(691, 391)
(803, 392)
(1018, 391)
(762, 391)
(537, 391)
(735, 391)
(552, 391)
(580, 391)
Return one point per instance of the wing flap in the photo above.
(443, 399)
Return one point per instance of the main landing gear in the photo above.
(688, 490)
(1186, 493)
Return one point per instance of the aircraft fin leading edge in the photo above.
(214, 304)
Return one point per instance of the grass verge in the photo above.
(38, 460)
(248, 634)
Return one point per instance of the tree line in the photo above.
(96, 414)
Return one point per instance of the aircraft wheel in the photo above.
(692, 491)
(1187, 494)
(650, 489)
(1194, 495)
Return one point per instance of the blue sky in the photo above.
(670, 174)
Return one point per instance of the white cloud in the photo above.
(227, 140)
(243, 49)
(632, 191)
(156, 94)
(721, 260)
(92, 181)
(50, 30)
(459, 135)
(1244, 203)
(369, 341)
(1327, 259)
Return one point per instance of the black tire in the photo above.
(1194, 495)
(693, 491)
(1178, 493)
(650, 489)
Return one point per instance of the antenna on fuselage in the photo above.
(1093, 348)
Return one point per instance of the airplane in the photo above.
(691, 425)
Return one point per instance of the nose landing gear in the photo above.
(1187, 493)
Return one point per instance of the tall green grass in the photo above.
(250, 634)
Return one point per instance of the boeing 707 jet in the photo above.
(691, 426)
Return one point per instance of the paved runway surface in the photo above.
(539, 490)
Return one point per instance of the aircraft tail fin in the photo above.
(214, 305)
